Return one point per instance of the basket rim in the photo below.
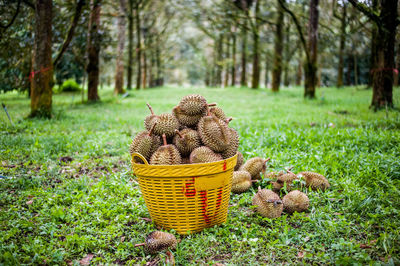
(181, 170)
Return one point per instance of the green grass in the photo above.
(52, 212)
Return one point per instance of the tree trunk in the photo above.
(227, 66)
(299, 74)
(355, 69)
(287, 56)
(233, 66)
(243, 81)
(42, 74)
(159, 79)
(138, 48)
(373, 57)
(339, 82)
(130, 45)
(396, 72)
(255, 80)
(94, 50)
(266, 81)
(278, 47)
(144, 74)
(218, 74)
(350, 68)
(119, 71)
(310, 69)
(383, 76)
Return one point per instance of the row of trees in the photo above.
(297, 27)
(223, 42)
(96, 29)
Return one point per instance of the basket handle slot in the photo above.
(141, 157)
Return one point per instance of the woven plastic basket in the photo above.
(188, 197)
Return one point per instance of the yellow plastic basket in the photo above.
(188, 197)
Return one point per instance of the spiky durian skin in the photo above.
(185, 119)
(283, 179)
(268, 209)
(241, 181)
(157, 241)
(166, 124)
(214, 133)
(254, 166)
(189, 142)
(218, 112)
(193, 104)
(166, 155)
(274, 175)
(149, 121)
(295, 201)
(239, 161)
(233, 144)
(315, 181)
(204, 154)
(144, 144)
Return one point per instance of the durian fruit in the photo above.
(295, 201)
(193, 104)
(241, 181)
(157, 241)
(274, 175)
(239, 161)
(233, 144)
(315, 181)
(214, 133)
(145, 143)
(255, 166)
(149, 120)
(218, 112)
(281, 180)
(167, 154)
(185, 119)
(267, 203)
(186, 141)
(166, 123)
(204, 154)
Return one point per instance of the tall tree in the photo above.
(343, 23)
(243, 74)
(138, 45)
(94, 40)
(310, 47)
(233, 65)
(386, 22)
(255, 80)
(119, 71)
(278, 48)
(130, 45)
(42, 67)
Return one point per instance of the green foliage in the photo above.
(55, 212)
(70, 85)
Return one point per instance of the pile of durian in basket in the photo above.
(195, 132)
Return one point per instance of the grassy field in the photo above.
(91, 209)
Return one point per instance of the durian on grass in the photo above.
(157, 241)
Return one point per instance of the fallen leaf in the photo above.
(146, 219)
(122, 239)
(337, 213)
(364, 246)
(66, 159)
(29, 202)
(300, 254)
(86, 260)
(373, 242)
